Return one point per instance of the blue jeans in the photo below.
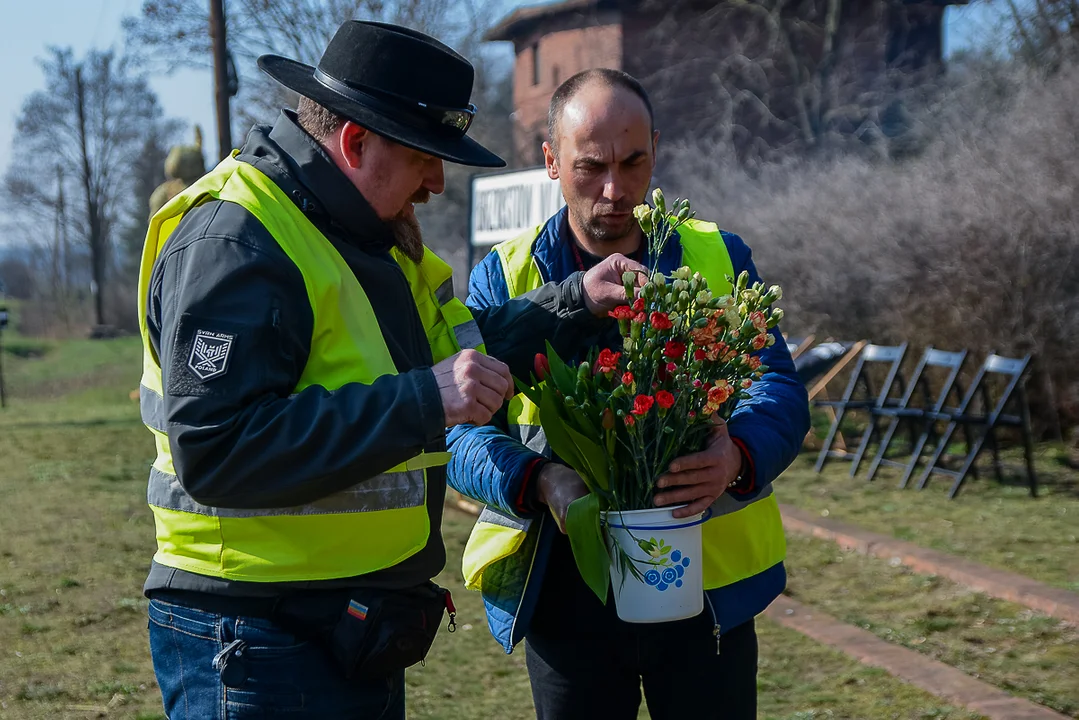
(278, 674)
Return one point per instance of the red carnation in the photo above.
(607, 361)
(541, 366)
(760, 341)
(630, 421)
(665, 399)
(700, 355)
(660, 321)
(754, 363)
(672, 368)
(639, 318)
(622, 312)
(642, 404)
(638, 305)
(675, 349)
(627, 378)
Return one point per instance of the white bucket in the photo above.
(671, 587)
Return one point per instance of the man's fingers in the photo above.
(685, 478)
(494, 376)
(500, 369)
(697, 507)
(679, 495)
(696, 461)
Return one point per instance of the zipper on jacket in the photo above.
(717, 631)
(528, 578)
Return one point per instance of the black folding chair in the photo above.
(951, 363)
(984, 425)
(871, 356)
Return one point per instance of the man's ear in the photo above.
(351, 141)
(550, 161)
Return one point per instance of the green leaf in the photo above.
(532, 392)
(563, 375)
(586, 540)
(594, 456)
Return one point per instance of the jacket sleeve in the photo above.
(771, 424)
(240, 434)
(516, 329)
(488, 465)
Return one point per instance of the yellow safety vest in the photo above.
(378, 522)
(742, 539)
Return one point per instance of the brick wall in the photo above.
(561, 53)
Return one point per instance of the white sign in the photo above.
(504, 205)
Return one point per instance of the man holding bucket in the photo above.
(584, 661)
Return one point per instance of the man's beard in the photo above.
(600, 232)
(408, 237)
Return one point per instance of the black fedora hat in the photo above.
(396, 82)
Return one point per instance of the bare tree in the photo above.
(1045, 33)
(781, 77)
(175, 32)
(86, 129)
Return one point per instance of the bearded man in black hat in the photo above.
(304, 354)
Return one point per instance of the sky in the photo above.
(27, 28)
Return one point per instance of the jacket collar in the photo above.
(553, 250)
(298, 165)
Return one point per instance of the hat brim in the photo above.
(299, 77)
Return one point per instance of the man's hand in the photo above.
(702, 477)
(472, 386)
(603, 287)
(558, 487)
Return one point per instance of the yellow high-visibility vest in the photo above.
(379, 521)
(742, 539)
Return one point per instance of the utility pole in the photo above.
(221, 78)
(3, 324)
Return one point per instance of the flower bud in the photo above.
(704, 297)
(683, 214)
(657, 200)
(659, 280)
(643, 213)
(776, 316)
(682, 273)
(648, 290)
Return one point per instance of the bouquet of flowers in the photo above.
(621, 416)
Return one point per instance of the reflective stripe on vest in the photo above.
(741, 540)
(372, 525)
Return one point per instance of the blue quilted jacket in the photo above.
(490, 467)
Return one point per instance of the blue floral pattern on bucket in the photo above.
(669, 565)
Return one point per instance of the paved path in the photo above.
(1002, 584)
(924, 672)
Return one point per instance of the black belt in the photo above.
(326, 602)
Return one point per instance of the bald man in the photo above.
(583, 661)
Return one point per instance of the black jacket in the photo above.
(242, 438)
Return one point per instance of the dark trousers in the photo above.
(277, 673)
(583, 662)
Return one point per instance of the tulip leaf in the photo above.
(586, 541)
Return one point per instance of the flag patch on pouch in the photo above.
(356, 610)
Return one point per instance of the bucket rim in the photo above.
(705, 516)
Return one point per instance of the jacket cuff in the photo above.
(748, 485)
(527, 497)
(432, 414)
(576, 309)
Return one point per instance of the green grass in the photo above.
(77, 538)
(1004, 644)
(994, 523)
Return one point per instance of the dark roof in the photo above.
(524, 19)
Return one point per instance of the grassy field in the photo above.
(989, 522)
(76, 537)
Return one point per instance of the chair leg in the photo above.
(941, 444)
(832, 430)
(994, 446)
(967, 464)
(915, 454)
(867, 437)
(1028, 443)
(884, 443)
